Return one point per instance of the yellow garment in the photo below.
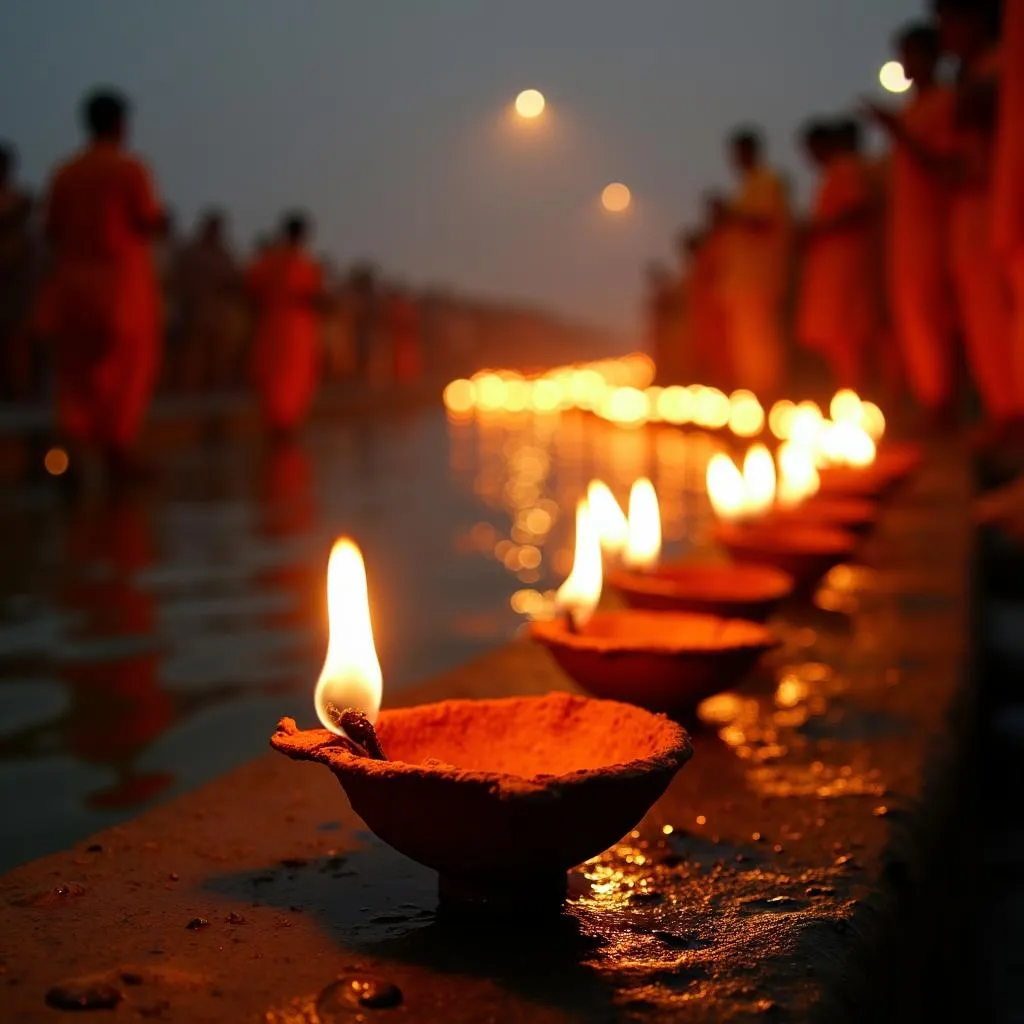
(753, 275)
(755, 259)
(918, 268)
(753, 324)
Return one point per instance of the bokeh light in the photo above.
(616, 197)
(893, 78)
(56, 462)
(530, 103)
(458, 397)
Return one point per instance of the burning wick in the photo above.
(358, 731)
(579, 594)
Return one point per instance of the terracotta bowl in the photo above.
(663, 661)
(893, 464)
(854, 515)
(732, 591)
(806, 553)
(502, 797)
(852, 482)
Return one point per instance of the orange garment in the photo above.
(918, 266)
(403, 321)
(102, 302)
(980, 277)
(754, 269)
(707, 314)
(838, 308)
(285, 282)
(1008, 173)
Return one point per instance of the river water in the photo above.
(151, 642)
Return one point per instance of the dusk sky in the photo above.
(388, 119)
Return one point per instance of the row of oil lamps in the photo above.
(620, 391)
(502, 797)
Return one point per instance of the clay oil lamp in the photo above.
(799, 502)
(731, 591)
(500, 797)
(852, 458)
(804, 551)
(663, 661)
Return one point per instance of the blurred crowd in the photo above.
(103, 304)
(907, 264)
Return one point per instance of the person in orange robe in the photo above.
(1008, 180)
(837, 312)
(918, 223)
(970, 32)
(402, 315)
(286, 285)
(708, 325)
(754, 269)
(101, 304)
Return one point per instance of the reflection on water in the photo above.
(529, 471)
(150, 643)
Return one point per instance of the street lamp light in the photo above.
(530, 103)
(893, 78)
(615, 198)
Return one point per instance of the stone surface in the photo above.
(773, 880)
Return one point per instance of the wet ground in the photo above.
(149, 642)
(805, 865)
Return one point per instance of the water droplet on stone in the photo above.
(83, 995)
(197, 924)
(771, 905)
(336, 1001)
(820, 890)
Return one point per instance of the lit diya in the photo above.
(854, 515)
(500, 797)
(663, 661)
(729, 591)
(804, 550)
(852, 459)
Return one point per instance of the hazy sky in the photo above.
(388, 118)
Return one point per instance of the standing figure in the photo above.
(664, 322)
(402, 314)
(837, 312)
(1008, 185)
(286, 286)
(969, 31)
(754, 269)
(704, 307)
(102, 302)
(17, 277)
(208, 283)
(919, 281)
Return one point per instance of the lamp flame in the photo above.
(759, 479)
(643, 545)
(608, 518)
(844, 444)
(846, 405)
(351, 676)
(579, 594)
(798, 475)
(726, 488)
(873, 421)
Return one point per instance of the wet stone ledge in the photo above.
(786, 874)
